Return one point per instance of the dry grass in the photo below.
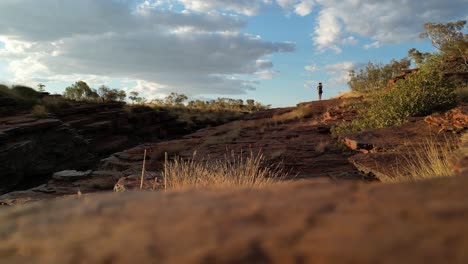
(232, 171)
(296, 114)
(39, 111)
(347, 94)
(55, 103)
(429, 160)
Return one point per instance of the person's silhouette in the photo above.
(320, 90)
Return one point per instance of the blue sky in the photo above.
(274, 51)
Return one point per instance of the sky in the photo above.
(273, 51)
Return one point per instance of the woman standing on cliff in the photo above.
(320, 91)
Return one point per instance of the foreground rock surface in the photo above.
(313, 221)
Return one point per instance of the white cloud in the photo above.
(339, 72)
(375, 45)
(245, 7)
(304, 8)
(311, 68)
(384, 22)
(340, 66)
(266, 75)
(300, 7)
(328, 31)
(391, 21)
(159, 49)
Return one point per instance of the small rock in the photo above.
(70, 175)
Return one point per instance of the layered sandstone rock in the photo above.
(32, 149)
(77, 137)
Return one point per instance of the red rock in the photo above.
(453, 120)
(306, 222)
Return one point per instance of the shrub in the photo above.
(25, 92)
(421, 93)
(39, 111)
(54, 103)
(375, 77)
(22, 98)
(462, 92)
(5, 91)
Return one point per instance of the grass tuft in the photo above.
(430, 160)
(232, 171)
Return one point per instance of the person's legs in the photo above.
(320, 96)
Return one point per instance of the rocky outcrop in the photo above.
(110, 128)
(455, 120)
(306, 222)
(387, 150)
(63, 184)
(32, 149)
(77, 137)
(304, 146)
(401, 76)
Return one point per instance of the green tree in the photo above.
(450, 40)
(375, 77)
(40, 87)
(78, 91)
(121, 95)
(175, 99)
(109, 95)
(158, 102)
(103, 92)
(418, 57)
(134, 96)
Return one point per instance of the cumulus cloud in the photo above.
(154, 47)
(300, 7)
(384, 22)
(245, 7)
(305, 7)
(387, 22)
(338, 72)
